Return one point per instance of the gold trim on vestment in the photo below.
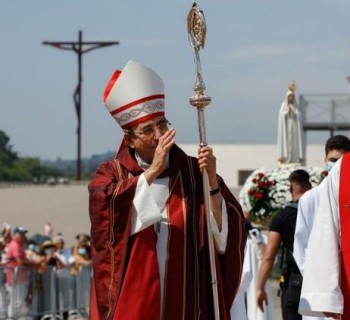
(111, 233)
(184, 210)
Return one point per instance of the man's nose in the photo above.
(157, 133)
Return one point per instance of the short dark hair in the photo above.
(300, 177)
(338, 142)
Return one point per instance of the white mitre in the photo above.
(134, 95)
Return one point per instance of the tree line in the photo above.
(15, 168)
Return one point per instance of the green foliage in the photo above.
(88, 165)
(13, 168)
(7, 156)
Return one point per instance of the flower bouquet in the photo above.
(266, 191)
(259, 196)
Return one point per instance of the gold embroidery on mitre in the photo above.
(148, 107)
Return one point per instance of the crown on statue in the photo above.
(292, 87)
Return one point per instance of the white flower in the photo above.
(276, 195)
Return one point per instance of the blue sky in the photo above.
(254, 49)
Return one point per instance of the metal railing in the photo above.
(53, 294)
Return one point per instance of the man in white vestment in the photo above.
(322, 291)
(335, 147)
(289, 135)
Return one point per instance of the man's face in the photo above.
(334, 155)
(59, 244)
(144, 137)
(83, 241)
(20, 237)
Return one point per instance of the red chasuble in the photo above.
(126, 284)
(344, 212)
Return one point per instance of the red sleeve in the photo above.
(111, 193)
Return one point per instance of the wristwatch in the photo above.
(215, 191)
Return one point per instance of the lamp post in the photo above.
(79, 47)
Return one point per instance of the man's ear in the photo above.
(129, 140)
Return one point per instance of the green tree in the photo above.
(7, 156)
(14, 168)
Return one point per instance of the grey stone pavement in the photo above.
(66, 207)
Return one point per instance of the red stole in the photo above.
(344, 213)
(139, 296)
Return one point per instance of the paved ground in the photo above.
(66, 207)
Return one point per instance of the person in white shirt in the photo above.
(63, 253)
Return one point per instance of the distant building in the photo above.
(236, 161)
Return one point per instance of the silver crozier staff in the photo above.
(197, 28)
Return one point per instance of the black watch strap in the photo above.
(215, 191)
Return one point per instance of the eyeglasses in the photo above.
(162, 126)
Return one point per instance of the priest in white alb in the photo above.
(335, 147)
(326, 283)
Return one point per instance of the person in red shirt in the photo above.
(16, 271)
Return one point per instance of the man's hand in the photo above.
(261, 299)
(165, 142)
(207, 161)
(332, 315)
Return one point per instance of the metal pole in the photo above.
(196, 28)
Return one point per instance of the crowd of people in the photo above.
(17, 248)
(24, 258)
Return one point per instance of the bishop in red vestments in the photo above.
(148, 226)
